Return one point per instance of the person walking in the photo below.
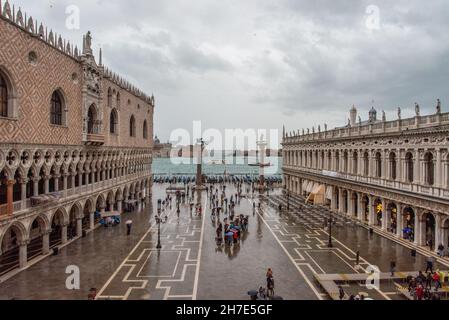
(341, 292)
(429, 264)
(436, 280)
(392, 268)
(129, 225)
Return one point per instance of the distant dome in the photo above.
(156, 140)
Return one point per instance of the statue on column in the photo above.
(417, 111)
(384, 117)
(399, 113)
(438, 106)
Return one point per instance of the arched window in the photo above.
(3, 97)
(409, 167)
(118, 99)
(366, 164)
(132, 126)
(92, 121)
(145, 130)
(113, 122)
(57, 109)
(110, 97)
(378, 165)
(355, 163)
(393, 166)
(430, 169)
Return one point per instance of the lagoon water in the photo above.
(215, 166)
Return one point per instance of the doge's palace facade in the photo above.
(392, 176)
(75, 141)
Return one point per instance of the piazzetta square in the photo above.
(156, 151)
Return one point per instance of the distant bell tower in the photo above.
(353, 116)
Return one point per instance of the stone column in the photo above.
(372, 212)
(360, 207)
(334, 200)
(399, 221)
(79, 227)
(10, 197)
(92, 220)
(340, 200)
(417, 168)
(384, 215)
(64, 183)
(80, 179)
(35, 187)
(438, 171)
(56, 179)
(119, 205)
(23, 190)
(23, 255)
(438, 231)
(418, 223)
(73, 180)
(64, 233)
(46, 242)
(46, 184)
(350, 204)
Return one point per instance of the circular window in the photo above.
(32, 58)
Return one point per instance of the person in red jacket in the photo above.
(419, 292)
(436, 280)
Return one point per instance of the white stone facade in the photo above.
(391, 175)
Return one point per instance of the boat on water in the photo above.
(260, 165)
(217, 162)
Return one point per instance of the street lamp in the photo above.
(159, 221)
(329, 245)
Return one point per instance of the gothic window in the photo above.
(118, 99)
(92, 126)
(113, 122)
(3, 98)
(145, 130)
(109, 97)
(132, 127)
(57, 109)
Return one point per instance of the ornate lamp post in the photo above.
(159, 221)
(330, 245)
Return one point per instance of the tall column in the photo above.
(73, 180)
(35, 187)
(384, 165)
(334, 200)
(350, 204)
(46, 242)
(371, 218)
(399, 220)
(23, 189)
(56, 179)
(360, 206)
(10, 197)
(64, 233)
(23, 256)
(417, 227)
(384, 215)
(46, 184)
(119, 205)
(340, 200)
(438, 231)
(64, 183)
(417, 168)
(80, 178)
(79, 227)
(438, 170)
(92, 220)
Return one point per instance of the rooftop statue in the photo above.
(417, 112)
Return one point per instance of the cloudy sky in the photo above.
(265, 63)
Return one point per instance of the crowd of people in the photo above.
(420, 287)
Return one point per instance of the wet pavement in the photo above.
(191, 265)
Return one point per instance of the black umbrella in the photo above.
(253, 293)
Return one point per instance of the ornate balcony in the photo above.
(94, 139)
